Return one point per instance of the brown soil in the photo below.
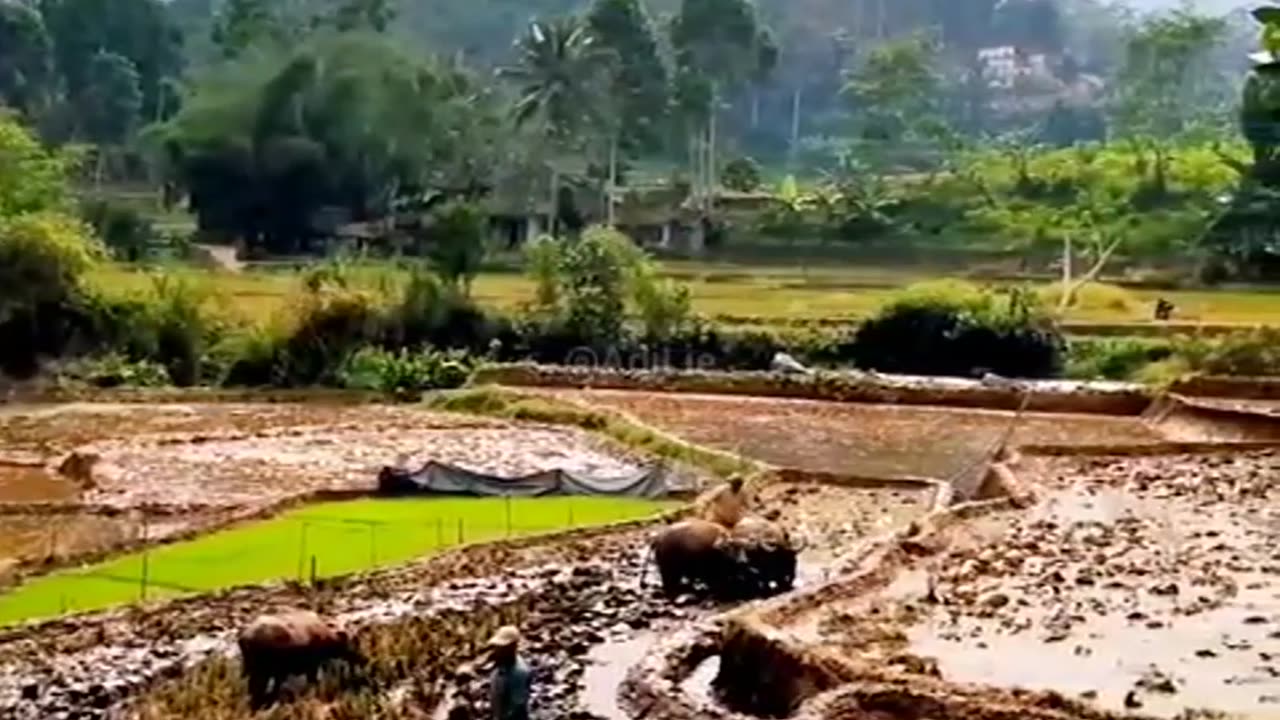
(1146, 584)
(1267, 407)
(29, 537)
(245, 470)
(49, 431)
(832, 519)
(22, 483)
(243, 454)
(866, 440)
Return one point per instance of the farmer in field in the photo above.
(726, 505)
(510, 683)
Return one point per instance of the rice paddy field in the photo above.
(339, 538)
(736, 294)
(1165, 518)
(857, 439)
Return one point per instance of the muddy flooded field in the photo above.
(33, 482)
(1136, 584)
(587, 621)
(857, 439)
(838, 517)
(35, 538)
(243, 454)
(1145, 585)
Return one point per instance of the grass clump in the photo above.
(1122, 358)
(404, 374)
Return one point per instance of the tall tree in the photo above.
(140, 31)
(895, 92)
(639, 77)
(638, 82)
(1164, 85)
(374, 15)
(1242, 243)
(272, 144)
(243, 24)
(111, 105)
(719, 47)
(26, 57)
(558, 73)
(1034, 25)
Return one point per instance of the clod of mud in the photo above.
(1124, 562)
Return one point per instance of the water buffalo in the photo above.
(274, 648)
(769, 552)
(756, 558)
(690, 553)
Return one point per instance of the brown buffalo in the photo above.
(689, 553)
(274, 648)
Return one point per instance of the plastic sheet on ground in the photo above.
(442, 479)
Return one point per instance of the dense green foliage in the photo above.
(1050, 131)
(343, 123)
(950, 328)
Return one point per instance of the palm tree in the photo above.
(559, 72)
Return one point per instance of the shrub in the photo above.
(542, 263)
(427, 312)
(582, 285)
(116, 370)
(327, 328)
(741, 174)
(170, 324)
(454, 240)
(43, 260)
(664, 306)
(404, 374)
(1251, 354)
(955, 328)
(593, 291)
(1114, 358)
(125, 232)
(251, 358)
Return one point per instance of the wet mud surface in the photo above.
(1147, 585)
(1137, 584)
(107, 663)
(835, 518)
(263, 467)
(593, 622)
(858, 439)
(35, 537)
(33, 482)
(243, 454)
(1265, 407)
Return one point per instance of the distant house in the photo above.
(1006, 67)
(1027, 82)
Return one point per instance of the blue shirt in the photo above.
(509, 691)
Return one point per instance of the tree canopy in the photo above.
(345, 123)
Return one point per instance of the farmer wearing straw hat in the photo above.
(726, 505)
(509, 685)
